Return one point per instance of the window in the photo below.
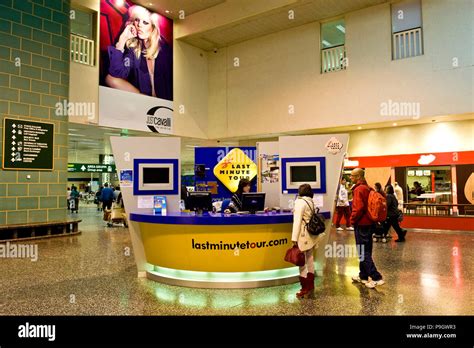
(82, 37)
(407, 34)
(333, 53)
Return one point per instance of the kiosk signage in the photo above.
(234, 166)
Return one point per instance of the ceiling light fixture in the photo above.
(76, 135)
(167, 11)
(359, 127)
(394, 124)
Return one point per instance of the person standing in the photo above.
(68, 197)
(342, 207)
(107, 197)
(236, 201)
(306, 242)
(392, 215)
(399, 195)
(364, 228)
(75, 198)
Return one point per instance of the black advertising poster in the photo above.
(27, 145)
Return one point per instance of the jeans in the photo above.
(363, 237)
(107, 205)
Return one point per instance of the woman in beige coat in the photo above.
(306, 242)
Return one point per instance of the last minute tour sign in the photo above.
(234, 166)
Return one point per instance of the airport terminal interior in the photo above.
(237, 157)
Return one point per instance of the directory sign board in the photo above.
(27, 145)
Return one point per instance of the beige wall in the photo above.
(283, 69)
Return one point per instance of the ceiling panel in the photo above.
(174, 6)
(305, 11)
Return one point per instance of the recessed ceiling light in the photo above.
(76, 135)
(167, 11)
(359, 127)
(394, 124)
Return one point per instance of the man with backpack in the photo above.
(365, 213)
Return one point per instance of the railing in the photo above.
(82, 50)
(438, 209)
(407, 44)
(333, 59)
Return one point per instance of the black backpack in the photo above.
(315, 225)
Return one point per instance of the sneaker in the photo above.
(339, 229)
(357, 279)
(373, 283)
(350, 228)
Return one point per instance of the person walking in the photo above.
(98, 198)
(306, 242)
(342, 207)
(392, 215)
(364, 228)
(68, 197)
(107, 197)
(399, 194)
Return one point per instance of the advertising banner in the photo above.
(136, 68)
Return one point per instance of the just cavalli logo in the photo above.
(156, 123)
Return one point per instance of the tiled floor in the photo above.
(91, 274)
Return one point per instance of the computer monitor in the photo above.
(303, 173)
(253, 202)
(199, 201)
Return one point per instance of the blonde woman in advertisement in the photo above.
(141, 61)
(305, 241)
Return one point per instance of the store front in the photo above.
(438, 188)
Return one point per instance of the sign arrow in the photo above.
(83, 168)
(13, 149)
(13, 160)
(13, 131)
(13, 137)
(13, 143)
(14, 125)
(13, 154)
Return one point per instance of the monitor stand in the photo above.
(201, 212)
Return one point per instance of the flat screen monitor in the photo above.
(253, 202)
(199, 201)
(156, 175)
(303, 173)
(299, 173)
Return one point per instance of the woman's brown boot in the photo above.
(310, 286)
(304, 288)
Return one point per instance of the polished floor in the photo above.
(93, 274)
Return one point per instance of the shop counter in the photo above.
(217, 250)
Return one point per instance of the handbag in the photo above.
(295, 256)
(315, 226)
(400, 216)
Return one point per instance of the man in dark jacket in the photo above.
(364, 228)
(107, 197)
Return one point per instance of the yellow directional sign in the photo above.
(234, 166)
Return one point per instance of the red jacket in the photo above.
(360, 193)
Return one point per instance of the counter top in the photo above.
(215, 218)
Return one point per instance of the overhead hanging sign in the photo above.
(27, 145)
(90, 168)
(234, 166)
